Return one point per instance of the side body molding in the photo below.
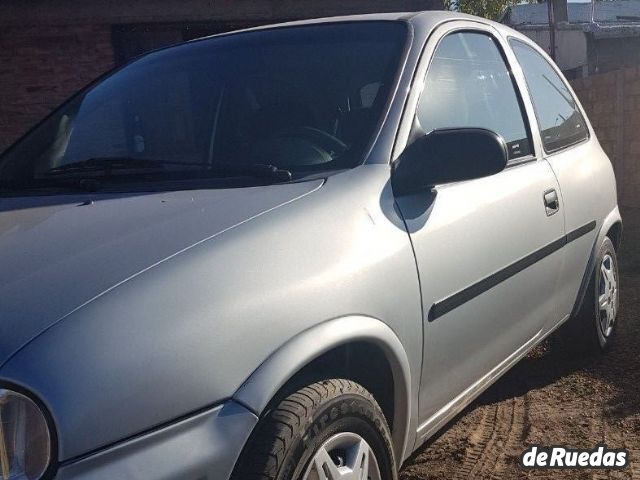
(284, 363)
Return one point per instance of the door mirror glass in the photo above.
(448, 155)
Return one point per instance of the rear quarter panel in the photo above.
(588, 191)
(587, 187)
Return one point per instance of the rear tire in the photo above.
(330, 426)
(593, 328)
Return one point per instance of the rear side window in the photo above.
(560, 121)
(468, 85)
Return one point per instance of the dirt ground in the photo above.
(551, 399)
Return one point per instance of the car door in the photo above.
(582, 168)
(486, 249)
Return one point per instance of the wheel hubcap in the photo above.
(607, 295)
(345, 456)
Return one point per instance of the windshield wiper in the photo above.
(58, 185)
(94, 170)
(258, 170)
(108, 164)
(80, 183)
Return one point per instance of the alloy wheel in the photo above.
(607, 295)
(344, 456)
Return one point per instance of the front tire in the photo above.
(330, 429)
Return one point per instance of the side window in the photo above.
(560, 121)
(469, 85)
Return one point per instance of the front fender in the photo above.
(285, 362)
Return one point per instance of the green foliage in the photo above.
(491, 9)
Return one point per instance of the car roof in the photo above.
(423, 23)
(421, 16)
(422, 20)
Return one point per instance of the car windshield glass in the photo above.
(299, 99)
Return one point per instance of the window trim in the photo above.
(515, 162)
(550, 152)
(481, 29)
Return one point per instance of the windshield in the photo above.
(299, 99)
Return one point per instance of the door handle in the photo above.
(551, 202)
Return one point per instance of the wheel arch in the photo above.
(615, 234)
(291, 359)
(611, 225)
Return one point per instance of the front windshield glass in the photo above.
(302, 99)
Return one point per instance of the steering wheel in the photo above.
(299, 147)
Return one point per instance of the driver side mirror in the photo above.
(448, 155)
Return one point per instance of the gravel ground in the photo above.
(550, 398)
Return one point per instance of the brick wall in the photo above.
(50, 49)
(612, 102)
(40, 66)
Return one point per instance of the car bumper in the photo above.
(205, 446)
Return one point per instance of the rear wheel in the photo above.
(328, 430)
(607, 295)
(593, 328)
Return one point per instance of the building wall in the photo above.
(40, 66)
(49, 50)
(571, 45)
(612, 102)
(126, 11)
(608, 54)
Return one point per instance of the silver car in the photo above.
(294, 252)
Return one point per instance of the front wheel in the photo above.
(328, 430)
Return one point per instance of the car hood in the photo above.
(57, 253)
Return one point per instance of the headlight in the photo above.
(25, 445)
